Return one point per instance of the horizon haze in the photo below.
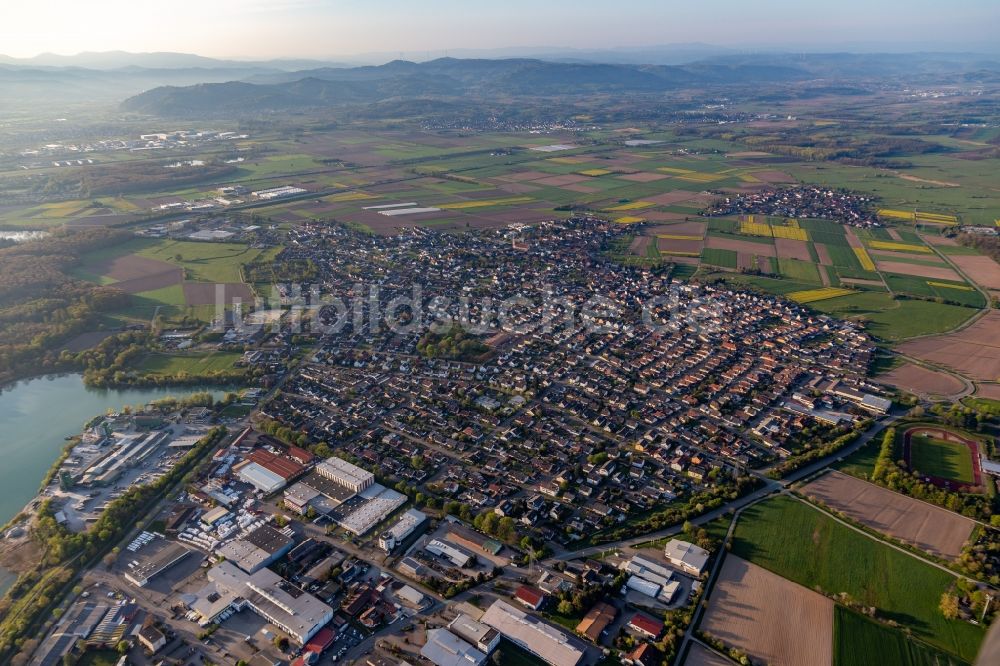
(386, 29)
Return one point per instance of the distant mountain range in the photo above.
(520, 77)
(445, 77)
(185, 85)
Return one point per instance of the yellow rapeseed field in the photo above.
(813, 295)
(864, 258)
(674, 170)
(792, 233)
(960, 287)
(751, 228)
(896, 214)
(893, 246)
(347, 196)
(633, 205)
(460, 205)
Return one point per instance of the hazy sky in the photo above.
(323, 28)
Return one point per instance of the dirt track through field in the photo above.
(932, 529)
(754, 610)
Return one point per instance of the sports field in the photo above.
(804, 545)
(936, 457)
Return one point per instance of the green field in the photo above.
(192, 364)
(797, 269)
(203, 262)
(896, 320)
(721, 258)
(859, 641)
(861, 463)
(935, 457)
(808, 547)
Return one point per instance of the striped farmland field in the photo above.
(813, 295)
(898, 247)
(864, 259)
(632, 205)
(950, 285)
(484, 203)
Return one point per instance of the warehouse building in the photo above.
(551, 645)
(483, 636)
(457, 556)
(297, 613)
(261, 478)
(348, 475)
(317, 491)
(258, 549)
(404, 527)
(686, 556)
(153, 559)
(444, 648)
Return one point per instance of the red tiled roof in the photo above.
(321, 641)
(283, 467)
(530, 595)
(647, 625)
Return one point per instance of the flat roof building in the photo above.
(297, 613)
(370, 507)
(258, 549)
(552, 645)
(152, 560)
(457, 556)
(483, 636)
(403, 528)
(261, 478)
(444, 648)
(346, 474)
(686, 556)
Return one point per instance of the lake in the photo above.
(37, 414)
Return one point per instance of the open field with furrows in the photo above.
(751, 608)
(919, 380)
(974, 351)
(929, 528)
(804, 545)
